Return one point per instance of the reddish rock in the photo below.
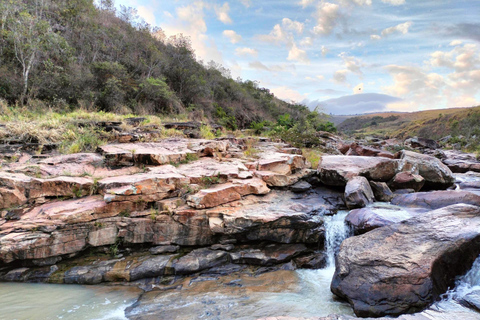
(167, 151)
(407, 180)
(225, 193)
(337, 170)
(404, 267)
(381, 191)
(375, 216)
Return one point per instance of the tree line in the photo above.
(79, 53)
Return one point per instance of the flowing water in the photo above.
(30, 301)
(301, 293)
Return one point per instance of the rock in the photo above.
(337, 170)
(268, 255)
(381, 191)
(278, 162)
(358, 150)
(274, 179)
(164, 249)
(224, 247)
(199, 171)
(407, 180)
(147, 187)
(358, 193)
(198, 260)
(472, 300)
(301, 187)
(277, 217)
(436, 199)
(461, 162)
(224, 193)
(417, 142)
(404, 267)
(435, 173)
(147, 267)
(375, 216)
(165, 152)
(316, 260)
(19, 188)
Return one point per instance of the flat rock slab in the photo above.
(269, 255)
(167, 151)
(435, 199)
(203, 168)
(72, 165)
(227, 192)
(404, 267)
(17, 188)
(337, 170)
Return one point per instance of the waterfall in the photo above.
(466, 284)
(336, 231)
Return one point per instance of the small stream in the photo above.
(300, 293)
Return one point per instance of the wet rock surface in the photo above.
(404, 267)
(436, 199)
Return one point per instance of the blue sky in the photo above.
(402, 55)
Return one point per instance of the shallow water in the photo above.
(28, 301)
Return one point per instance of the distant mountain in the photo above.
(354, 104)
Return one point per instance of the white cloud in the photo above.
(305, 3)
(293, 25)
(306, 42)
(316, 78)
(326, 15)
(232, 36)
(358, 89)
(222, 13)
(352, 63)
(324, 50)
(296, 54)
(400, 28)
(340, 76)
(287, 94)
(277, 35)
(146, 14)
(258, 65)
(246, 52)
(456, 43)
(375, 37)
(246, 3)
(394, 2)
(190, 22)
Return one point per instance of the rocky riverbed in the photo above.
(183, 218)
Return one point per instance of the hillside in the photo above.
(72, 53)
(460, 123)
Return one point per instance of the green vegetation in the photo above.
(84, 54)
(313, 156)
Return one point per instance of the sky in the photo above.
(343, 56)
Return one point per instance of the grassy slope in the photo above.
(433, 124)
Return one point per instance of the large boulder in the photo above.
(337, 170)
(404, 267)
(358, 193)
(436, 199)
(436, 174)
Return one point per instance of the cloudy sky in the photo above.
(402, 55)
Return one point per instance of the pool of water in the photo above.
(28, 301)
